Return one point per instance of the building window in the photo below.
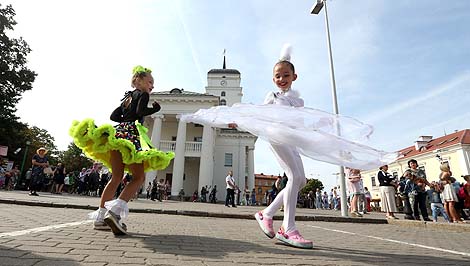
(223, 102)
(372, 179)
(198, 139)
(222, 94)
(228, 159)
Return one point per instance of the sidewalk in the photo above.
(171, 207)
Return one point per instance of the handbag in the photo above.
(48, 171)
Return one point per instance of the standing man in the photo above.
(418, 177)
(230, 198)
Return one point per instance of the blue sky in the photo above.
(402, 66)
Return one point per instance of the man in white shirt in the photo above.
(230, 198)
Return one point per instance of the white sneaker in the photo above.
(100, 225)
(114, 222)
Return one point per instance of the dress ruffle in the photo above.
(98, 142)
(312, 131)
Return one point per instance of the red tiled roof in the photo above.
(459, 137)
(263, 176)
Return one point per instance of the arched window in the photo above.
(223, 102)
(222, 94)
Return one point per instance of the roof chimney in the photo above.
(422, 142)
(425, 138)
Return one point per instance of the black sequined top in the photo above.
(136, 109)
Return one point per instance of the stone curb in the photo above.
(201, 213)
(318, 218)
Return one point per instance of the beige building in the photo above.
(453, 148)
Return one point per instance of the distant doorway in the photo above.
(169, 177)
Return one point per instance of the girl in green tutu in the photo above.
(122, 148)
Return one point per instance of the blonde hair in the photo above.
(139, 72)
(445, 167)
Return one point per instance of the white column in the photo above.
(241, 168)
(251, 168)
(206, 164)
(157, 130)
(155, 138)
(178, 163)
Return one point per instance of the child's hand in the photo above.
(155, 104)
(232, 125)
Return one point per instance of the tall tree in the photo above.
(312, 185)
(15, 79)
(15, 76)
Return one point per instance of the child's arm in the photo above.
(142, 109)
(269, 99)
(116, 115)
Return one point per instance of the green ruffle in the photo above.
(97, 142)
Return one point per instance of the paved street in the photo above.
(33, 235)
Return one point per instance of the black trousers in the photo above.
(420, 205)
(230, 198)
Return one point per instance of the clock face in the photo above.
(223, 82)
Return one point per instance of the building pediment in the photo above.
(178, 95)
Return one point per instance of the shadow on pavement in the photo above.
(379, 256)
(216, 248)
(14, 256)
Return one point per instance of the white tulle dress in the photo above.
(312, 131)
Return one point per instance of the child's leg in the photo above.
(118, 172)
(354, 203)
(132, 187)
(435, 211)
(444, 214)
(289, 159)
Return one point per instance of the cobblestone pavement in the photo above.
(32, 235)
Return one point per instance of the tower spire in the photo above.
(223, 66)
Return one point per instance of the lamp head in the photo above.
(317, 7)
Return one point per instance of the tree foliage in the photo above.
(312, 185)
(15, 79)
(74, 159)
(15, 76)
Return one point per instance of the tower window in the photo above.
(222, 93)
(223, 102)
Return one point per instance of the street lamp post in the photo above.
(316, 10)
(24, 159)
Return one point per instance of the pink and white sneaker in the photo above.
(265, 223)
(293, 239)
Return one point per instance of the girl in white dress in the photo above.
(293, 129)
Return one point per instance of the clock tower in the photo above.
(225, 83)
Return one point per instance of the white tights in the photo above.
(289, 159)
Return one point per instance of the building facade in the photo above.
(203, 155)
(263, 184)
(452, 148)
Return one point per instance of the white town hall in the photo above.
(203, 155)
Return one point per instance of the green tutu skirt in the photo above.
(134, 145)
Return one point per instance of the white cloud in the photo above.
(415, 101)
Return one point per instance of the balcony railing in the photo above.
(191, 147)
